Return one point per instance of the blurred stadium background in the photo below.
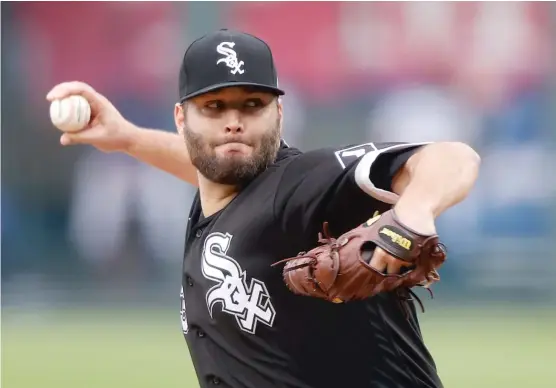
(91, 243)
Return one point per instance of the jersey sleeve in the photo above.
(341, 186)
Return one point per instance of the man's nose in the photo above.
(233, 123)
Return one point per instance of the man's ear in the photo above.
(179, 117)
(280, 113)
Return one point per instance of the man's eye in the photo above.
(214, 105)
(254, 103)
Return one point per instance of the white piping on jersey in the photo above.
(363, 173)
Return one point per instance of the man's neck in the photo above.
(215, 196)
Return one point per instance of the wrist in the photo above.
(130, 138)
(416, 215)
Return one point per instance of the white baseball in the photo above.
(70, 114)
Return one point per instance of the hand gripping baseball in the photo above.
(107, 130)
(338, 270)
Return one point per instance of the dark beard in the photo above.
(232, 170)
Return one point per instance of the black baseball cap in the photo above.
(227, 58)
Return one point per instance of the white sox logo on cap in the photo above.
(230, 57)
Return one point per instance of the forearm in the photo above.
(440, 176)
(163, 150)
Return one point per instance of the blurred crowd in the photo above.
(479, 72)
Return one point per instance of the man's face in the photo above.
(232, 134)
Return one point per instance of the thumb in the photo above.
(65, 140)
(85, 136)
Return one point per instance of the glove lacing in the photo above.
(325, 238)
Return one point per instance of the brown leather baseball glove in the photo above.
(338, 270)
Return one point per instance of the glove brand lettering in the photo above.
(396, 238)
(249, 304)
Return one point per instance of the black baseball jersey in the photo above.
(244, 328)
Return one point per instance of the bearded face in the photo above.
(233, 134)
(234, 160)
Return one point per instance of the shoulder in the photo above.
(340, 157)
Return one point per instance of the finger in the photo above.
(394, 266)
(66, 89)
(65, 140)
(384, 262)
(377, 261)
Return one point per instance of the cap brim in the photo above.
(212, 88)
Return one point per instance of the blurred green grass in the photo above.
(488, 347)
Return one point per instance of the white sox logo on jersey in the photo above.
(249, 305)
(230, 57)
